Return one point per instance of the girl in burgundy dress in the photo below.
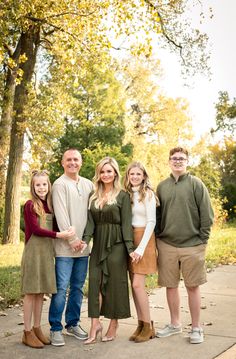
(38, 273)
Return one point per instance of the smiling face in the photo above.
(71, 162)
(135, 176)
(107, 174)
(178, 163)
(41, 186)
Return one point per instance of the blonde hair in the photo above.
(99, 186)
(37, 203)
(144, 188)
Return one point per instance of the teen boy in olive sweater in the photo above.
(184, 219)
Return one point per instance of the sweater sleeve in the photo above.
(126, 222)
(32, 223)
(89, 229)
(150, 208)
(206, 213)
(60, 208)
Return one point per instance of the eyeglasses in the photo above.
(178, 159)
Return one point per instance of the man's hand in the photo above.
(78, 245)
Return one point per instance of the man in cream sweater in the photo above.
(70, 194)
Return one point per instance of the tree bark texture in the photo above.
(5, 123)
(29, 46)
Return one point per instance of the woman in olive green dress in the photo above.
(109, 223)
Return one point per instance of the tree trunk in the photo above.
(6, 118)
(29, 47)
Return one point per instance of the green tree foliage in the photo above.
(208, 171)
(224, 155)
(155, 123)
(226, 113)
(69, 31)
(95, 122)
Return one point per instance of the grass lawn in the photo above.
(221, 249)
(10, 258)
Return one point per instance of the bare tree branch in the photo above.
(164, 31)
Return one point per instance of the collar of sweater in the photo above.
(181, 178)
(135, 188)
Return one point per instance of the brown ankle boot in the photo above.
(30, 339)
(147, 333)
(39, 334)
(137, 331)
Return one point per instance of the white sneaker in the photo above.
(57, 338)
(196, 336)
(78, 332)
(169, 330)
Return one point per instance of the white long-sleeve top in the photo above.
(144, 215)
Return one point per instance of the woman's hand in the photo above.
(84, 246)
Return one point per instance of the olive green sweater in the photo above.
(185, 215)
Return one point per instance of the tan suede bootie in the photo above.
(137, 331)
(39, 334)
(30, 339)
(147, 333)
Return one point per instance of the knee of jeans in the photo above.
(61, 290)
(77, 286)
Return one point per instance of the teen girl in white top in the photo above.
(144, 257)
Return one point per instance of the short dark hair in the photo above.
(178, 149)
(71, 149)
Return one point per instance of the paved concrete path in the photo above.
(218, 317)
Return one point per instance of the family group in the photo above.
(135, 231)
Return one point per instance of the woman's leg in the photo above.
(95, 330)
(140, 297)
(111, 331)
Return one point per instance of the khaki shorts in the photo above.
(174, 261)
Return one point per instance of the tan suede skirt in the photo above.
(148, 263)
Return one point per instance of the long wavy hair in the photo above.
(37, 203)
(145, 187)
(99, 186)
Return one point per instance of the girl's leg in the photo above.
(140, 297)
(37, 310)
(136, 303)
(147, 332)
(28, 307)
(29, 338)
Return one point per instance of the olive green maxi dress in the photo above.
(111, 229)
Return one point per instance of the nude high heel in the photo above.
(107, 338)
(93, 339)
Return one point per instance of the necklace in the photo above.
(105, 194)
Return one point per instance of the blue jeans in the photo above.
(69, 271)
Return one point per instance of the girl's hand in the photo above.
(68, 234)
(135, 257)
